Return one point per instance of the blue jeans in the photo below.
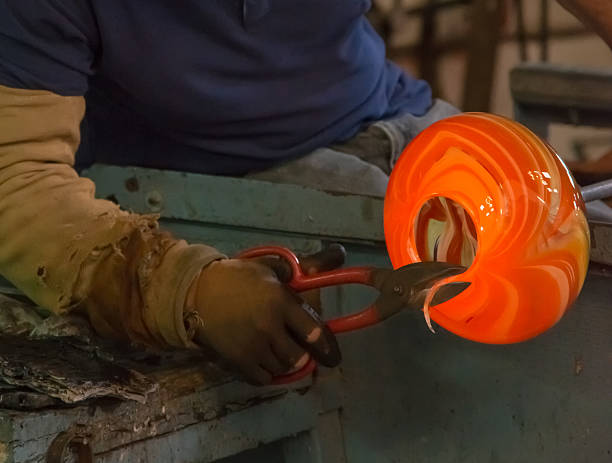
(362, 164)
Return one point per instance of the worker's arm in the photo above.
(65, 249)
(597, 14)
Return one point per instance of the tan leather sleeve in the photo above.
(67, 250)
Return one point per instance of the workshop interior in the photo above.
(306, 231)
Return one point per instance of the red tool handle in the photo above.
(301, 282)
(367, 317)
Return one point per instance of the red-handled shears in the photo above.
(403, 288)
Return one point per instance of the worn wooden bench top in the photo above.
(150, 402)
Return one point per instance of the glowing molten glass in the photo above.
(482, 188)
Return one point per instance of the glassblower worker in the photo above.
(289, 91)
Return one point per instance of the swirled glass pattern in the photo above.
(483, 190)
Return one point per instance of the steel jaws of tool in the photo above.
(402, 288)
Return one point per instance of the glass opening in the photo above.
(445, 232)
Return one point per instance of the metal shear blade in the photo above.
(448, 291)
(408, 286)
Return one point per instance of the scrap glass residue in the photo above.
(485, 192)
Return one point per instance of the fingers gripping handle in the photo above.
(301, 282)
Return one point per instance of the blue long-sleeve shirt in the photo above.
(211, 86)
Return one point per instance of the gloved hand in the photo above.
(253, 320)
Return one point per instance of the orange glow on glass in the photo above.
(528, 227)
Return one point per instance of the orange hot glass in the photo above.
(481, 189)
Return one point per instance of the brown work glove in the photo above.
(251, 318)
